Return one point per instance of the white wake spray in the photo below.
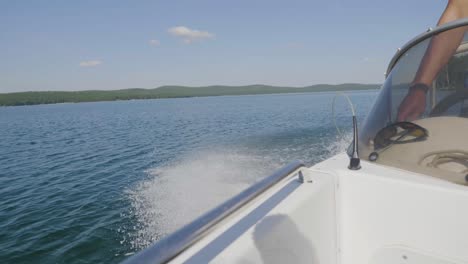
(175, 194)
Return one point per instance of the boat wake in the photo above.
(175, 194)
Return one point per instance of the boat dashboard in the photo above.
(435, 140)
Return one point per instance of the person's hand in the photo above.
(413, 105)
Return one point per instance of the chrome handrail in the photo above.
(174, 244)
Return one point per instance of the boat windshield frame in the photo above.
(443, 107)
(421, 37)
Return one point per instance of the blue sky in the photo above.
(90, 44)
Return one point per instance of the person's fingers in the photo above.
(412, 116)
(401, 116)
(403, 112)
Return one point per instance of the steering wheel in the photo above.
(448, 102)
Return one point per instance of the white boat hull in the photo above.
(374, 215)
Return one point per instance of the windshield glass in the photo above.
(419, 120)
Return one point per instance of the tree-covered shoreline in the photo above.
(54, 97)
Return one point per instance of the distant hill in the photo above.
(53, 97)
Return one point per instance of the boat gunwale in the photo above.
(174, 244)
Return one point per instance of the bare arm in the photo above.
(440, 50)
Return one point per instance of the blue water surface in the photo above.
(96, 182)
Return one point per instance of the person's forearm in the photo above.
(442, 46)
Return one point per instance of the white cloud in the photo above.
(154, 42)
(90, 63)
(189, 35)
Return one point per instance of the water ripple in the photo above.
(95, 182)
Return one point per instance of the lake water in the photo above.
(96, 182)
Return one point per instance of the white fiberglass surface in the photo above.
(387, 214)
(294, 223)
(377, 215)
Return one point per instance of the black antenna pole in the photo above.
(355, 162)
